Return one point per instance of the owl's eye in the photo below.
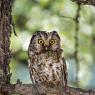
(40, 41)
(52, 41)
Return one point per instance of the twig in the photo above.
(76, 39)
(85, 2)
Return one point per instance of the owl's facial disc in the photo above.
(44, 42)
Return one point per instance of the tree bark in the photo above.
(5, 33)
(28, 89)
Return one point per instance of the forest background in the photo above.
(32, 15)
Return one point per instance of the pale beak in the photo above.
(46, 47)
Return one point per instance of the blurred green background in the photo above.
(32, 15)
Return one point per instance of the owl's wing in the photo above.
(64, 72)
(32, 77)
(31, 72)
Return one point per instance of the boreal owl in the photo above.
(46, 63)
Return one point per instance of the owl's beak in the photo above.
(46, 47)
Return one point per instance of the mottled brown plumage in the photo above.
(46, 64)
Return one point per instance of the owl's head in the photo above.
(43, 41)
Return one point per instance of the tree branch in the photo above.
(28, 89)
(85, 2)
(77, 33)
(76, 41)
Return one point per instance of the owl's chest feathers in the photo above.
(47, 58)
(48, 66)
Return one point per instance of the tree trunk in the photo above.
(5, 33)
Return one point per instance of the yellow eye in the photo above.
(52, 41)
(40, 41)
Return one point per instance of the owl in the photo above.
(46, 63)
